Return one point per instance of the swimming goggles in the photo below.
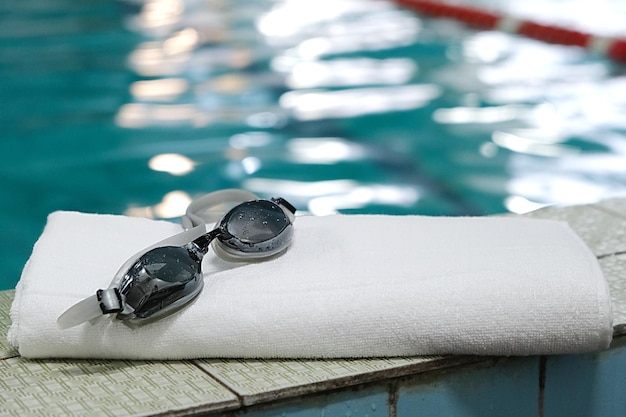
(167, 276)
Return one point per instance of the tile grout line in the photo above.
(543, 360)
(240, 398)
(613, 214)
(392, 398)
(608, 211)
(606, 255)
(4, 358)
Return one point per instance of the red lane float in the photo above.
(614, 48)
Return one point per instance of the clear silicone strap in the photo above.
(206, 209)
(83, 311)
(209, 208)
(89, 308)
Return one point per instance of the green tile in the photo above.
(263, 380)
(616, 206)
(107, 388)
(602, 231)
(614, 269)
(6, 298)
(116, 388)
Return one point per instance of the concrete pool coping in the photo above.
(146, 388)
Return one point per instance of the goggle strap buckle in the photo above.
(286, 204)
(110, 300)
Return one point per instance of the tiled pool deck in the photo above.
(591, 384)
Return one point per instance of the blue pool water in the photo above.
(355, 106)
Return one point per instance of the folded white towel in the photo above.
(349, 286)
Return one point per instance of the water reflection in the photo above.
(173, 205)
(553, 111)
(141, 115)
(313, 95)
(363, 196)
(529, 145)
(313, 105)
(164, 89)
(300, 189)
(566, 187)
(333, 27)
(153, 59)
(354, 105)
(521, 205)
(349, 72)
(242, 168)
(480, 115)
(157, 16)
(324, 150)
(171, 163)
(329, 197)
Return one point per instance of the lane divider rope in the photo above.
(611, 47)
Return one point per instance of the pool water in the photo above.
(357, 106)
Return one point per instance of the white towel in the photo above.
(349, 286)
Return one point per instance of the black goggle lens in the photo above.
(255, 221)
(158, 276)
(166, 278)
(170, 264)
(166, 274)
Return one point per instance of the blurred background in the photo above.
(340, 106)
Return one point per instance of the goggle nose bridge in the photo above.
(196, 240)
